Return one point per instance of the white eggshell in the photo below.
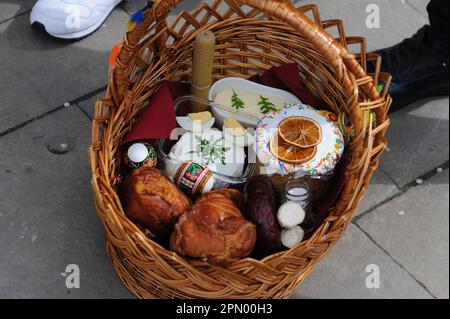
(243, 141)
(137, 152)
(291, 214)
(234, 161)
(193, 126)
(292, 237)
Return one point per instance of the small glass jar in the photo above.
(298, 190)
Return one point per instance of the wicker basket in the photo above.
(252, 35)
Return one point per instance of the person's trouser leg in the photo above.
(438, 11)
(419, 65)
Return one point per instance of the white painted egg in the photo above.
(244, 140)
(190, 125)
(141, 155)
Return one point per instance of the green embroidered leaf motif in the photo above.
(266, 106)
(210, 152)
(236, 101)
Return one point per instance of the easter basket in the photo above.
(252, 36)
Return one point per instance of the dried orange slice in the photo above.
(291, 154)
(300, 131)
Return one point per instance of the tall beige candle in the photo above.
(202, 67)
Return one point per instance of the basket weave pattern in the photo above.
(252, 36)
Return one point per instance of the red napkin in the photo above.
(286, 77)
(159, 118)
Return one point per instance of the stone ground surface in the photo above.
(47, 217)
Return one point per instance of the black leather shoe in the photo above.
(417, 69)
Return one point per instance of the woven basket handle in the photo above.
(336, 54)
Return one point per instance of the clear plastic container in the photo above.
(164, 146)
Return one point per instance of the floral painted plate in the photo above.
(329, 151)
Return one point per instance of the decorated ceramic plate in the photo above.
(328, 151)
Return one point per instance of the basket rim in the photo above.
(111, 216)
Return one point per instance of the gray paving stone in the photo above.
(414, 230)
(420, 5)
(12, 8)
(89, 105)
(131, 6)
(39, 74)
(418, 141)
(342, 274)
(397, 18)
(380, 189)
(47, 216)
